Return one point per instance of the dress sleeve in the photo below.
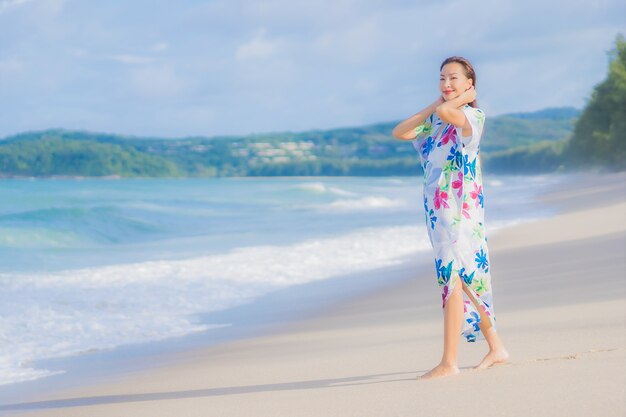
(423, 131)
(476, 118)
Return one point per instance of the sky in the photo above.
(235, 67)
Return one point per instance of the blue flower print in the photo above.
(443, 272)
(466, 278)
(473, 320)
(470, 166)
(481, 260)
(433, 218)
(451, 154)
(456, 157)
(428, 146)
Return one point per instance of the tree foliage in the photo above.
(599, 137)
(57, 156)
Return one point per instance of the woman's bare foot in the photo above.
(439, 371)
(493, 357)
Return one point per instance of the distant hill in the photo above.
(511, 130)
(363, 150)
(552, 113)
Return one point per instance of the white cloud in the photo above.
(285, 64)
(351, 43)
(8, 4)
(132, 59)
(78, 52)
(161, 81)
(160, 46)
(11, 64)
(258, 47)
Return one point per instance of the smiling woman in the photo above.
(446, 135)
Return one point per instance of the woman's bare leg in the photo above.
(497, 353)
(452, 324)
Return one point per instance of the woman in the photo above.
(446, 135)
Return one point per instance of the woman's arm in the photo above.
(449, 111)
(405, 130)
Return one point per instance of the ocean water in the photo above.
(91, 264)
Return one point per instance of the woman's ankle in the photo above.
(448, 364)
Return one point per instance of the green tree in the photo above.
(599, 137)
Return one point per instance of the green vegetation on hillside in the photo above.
(366, 150)
(53, 155)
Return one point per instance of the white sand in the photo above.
(560, 303)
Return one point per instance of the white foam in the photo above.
(494, 183)
(320, 187)
(365, 203)
(73, 311)
(37, 237)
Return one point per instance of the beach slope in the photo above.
(560, 303)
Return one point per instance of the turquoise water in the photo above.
(89, 264)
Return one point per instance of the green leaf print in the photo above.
(425, 128)
(478, 231)
(456, 220)
(449, 167)
(481, 287)
(480, 118)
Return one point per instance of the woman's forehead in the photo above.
(452, 68)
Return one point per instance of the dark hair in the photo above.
(468, 69)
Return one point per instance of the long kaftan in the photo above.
(454, 212)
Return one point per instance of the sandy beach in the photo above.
(560, 303)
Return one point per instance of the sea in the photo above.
(94, 264)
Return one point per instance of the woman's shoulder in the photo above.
(474, 109)
(477, 113)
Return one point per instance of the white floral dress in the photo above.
(454, 212)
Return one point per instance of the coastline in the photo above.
(375, 337)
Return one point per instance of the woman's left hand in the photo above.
(468, 95)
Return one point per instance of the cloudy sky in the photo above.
(195, 67)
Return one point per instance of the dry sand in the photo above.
(560, 301)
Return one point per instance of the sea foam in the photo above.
(74, 311)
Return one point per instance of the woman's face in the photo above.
(452, 81)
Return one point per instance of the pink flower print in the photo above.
(443, 296)
(465, 210)
(440, 199)
(458, 184)
(477, 194)
(449, 135)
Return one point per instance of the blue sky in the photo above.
(183, 68)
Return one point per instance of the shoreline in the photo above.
(235, 325)
(344, 313)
